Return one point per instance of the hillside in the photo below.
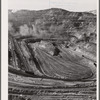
(52, 23)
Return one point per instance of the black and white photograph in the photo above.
(52, 49)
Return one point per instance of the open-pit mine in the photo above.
(52, 67)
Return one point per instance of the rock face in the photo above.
(66, 65)
(52, 23)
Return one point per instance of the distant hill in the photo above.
(94, 12)
(52, 22)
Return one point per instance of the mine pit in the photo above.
(44, 59)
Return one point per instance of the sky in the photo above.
(71, 5)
